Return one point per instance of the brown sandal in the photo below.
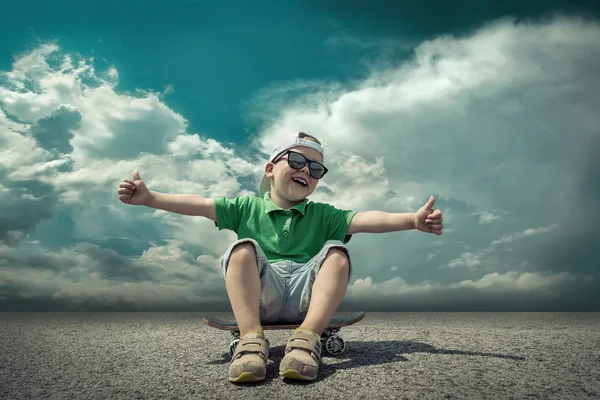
(249, 362)
(302, 357)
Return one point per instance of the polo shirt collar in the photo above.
(270, 206)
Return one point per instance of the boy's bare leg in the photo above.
(243, 288)
(328, 290)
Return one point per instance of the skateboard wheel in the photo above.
(232, 346)
(335, 344)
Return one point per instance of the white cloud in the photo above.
(169, 89)
(526, 233)
(517, 281)
(509, 282)
(17, 150)
(161, 276)
(113, 74)
(469, 260)
(394, 286)
(487, 218)
(31, 66)
(481, 257)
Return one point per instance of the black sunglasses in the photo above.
(298, 161)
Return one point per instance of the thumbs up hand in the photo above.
(133, 192)
(427, 220)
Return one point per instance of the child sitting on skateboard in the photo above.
(290, 263)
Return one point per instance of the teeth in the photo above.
(299, 180)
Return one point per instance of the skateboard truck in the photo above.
(331, 341)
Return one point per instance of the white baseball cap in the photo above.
(287, 143)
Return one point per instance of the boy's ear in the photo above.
(269, 169)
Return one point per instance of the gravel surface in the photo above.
(389, 355)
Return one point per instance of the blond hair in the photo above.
(303, 135)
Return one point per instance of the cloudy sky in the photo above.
(491, 109)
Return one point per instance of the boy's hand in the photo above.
(133, 192)
(428, 220)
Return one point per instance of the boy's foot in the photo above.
(302, 356)
(249, 362)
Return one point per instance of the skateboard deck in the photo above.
(331, 340)
(337, 321)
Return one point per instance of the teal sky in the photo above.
(489, 107)
(218, 54)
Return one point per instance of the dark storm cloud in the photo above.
(24, 205)
(114, 266)
(149, 131)
(55, 131)
(49, 303)
(569, 295)
(86, 277)
(575, 246)
(107, 264)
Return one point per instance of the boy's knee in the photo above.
(243, 255)
(243, 251)
(339, 256)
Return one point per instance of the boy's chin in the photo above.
(298, 195)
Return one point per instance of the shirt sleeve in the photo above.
(229, 213)
(338, 222)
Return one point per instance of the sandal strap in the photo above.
(252, 346)
(305, 342)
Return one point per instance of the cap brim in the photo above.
(264, 187)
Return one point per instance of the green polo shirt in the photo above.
(297, 234)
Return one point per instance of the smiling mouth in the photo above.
(300, 182)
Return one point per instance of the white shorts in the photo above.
(286, 286)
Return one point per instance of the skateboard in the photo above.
(331, 340)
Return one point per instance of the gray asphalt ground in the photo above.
(389, 356)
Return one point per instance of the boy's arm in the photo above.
(380, 222)
(185, 204)
(425, 220)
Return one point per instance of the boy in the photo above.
(290, 263)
